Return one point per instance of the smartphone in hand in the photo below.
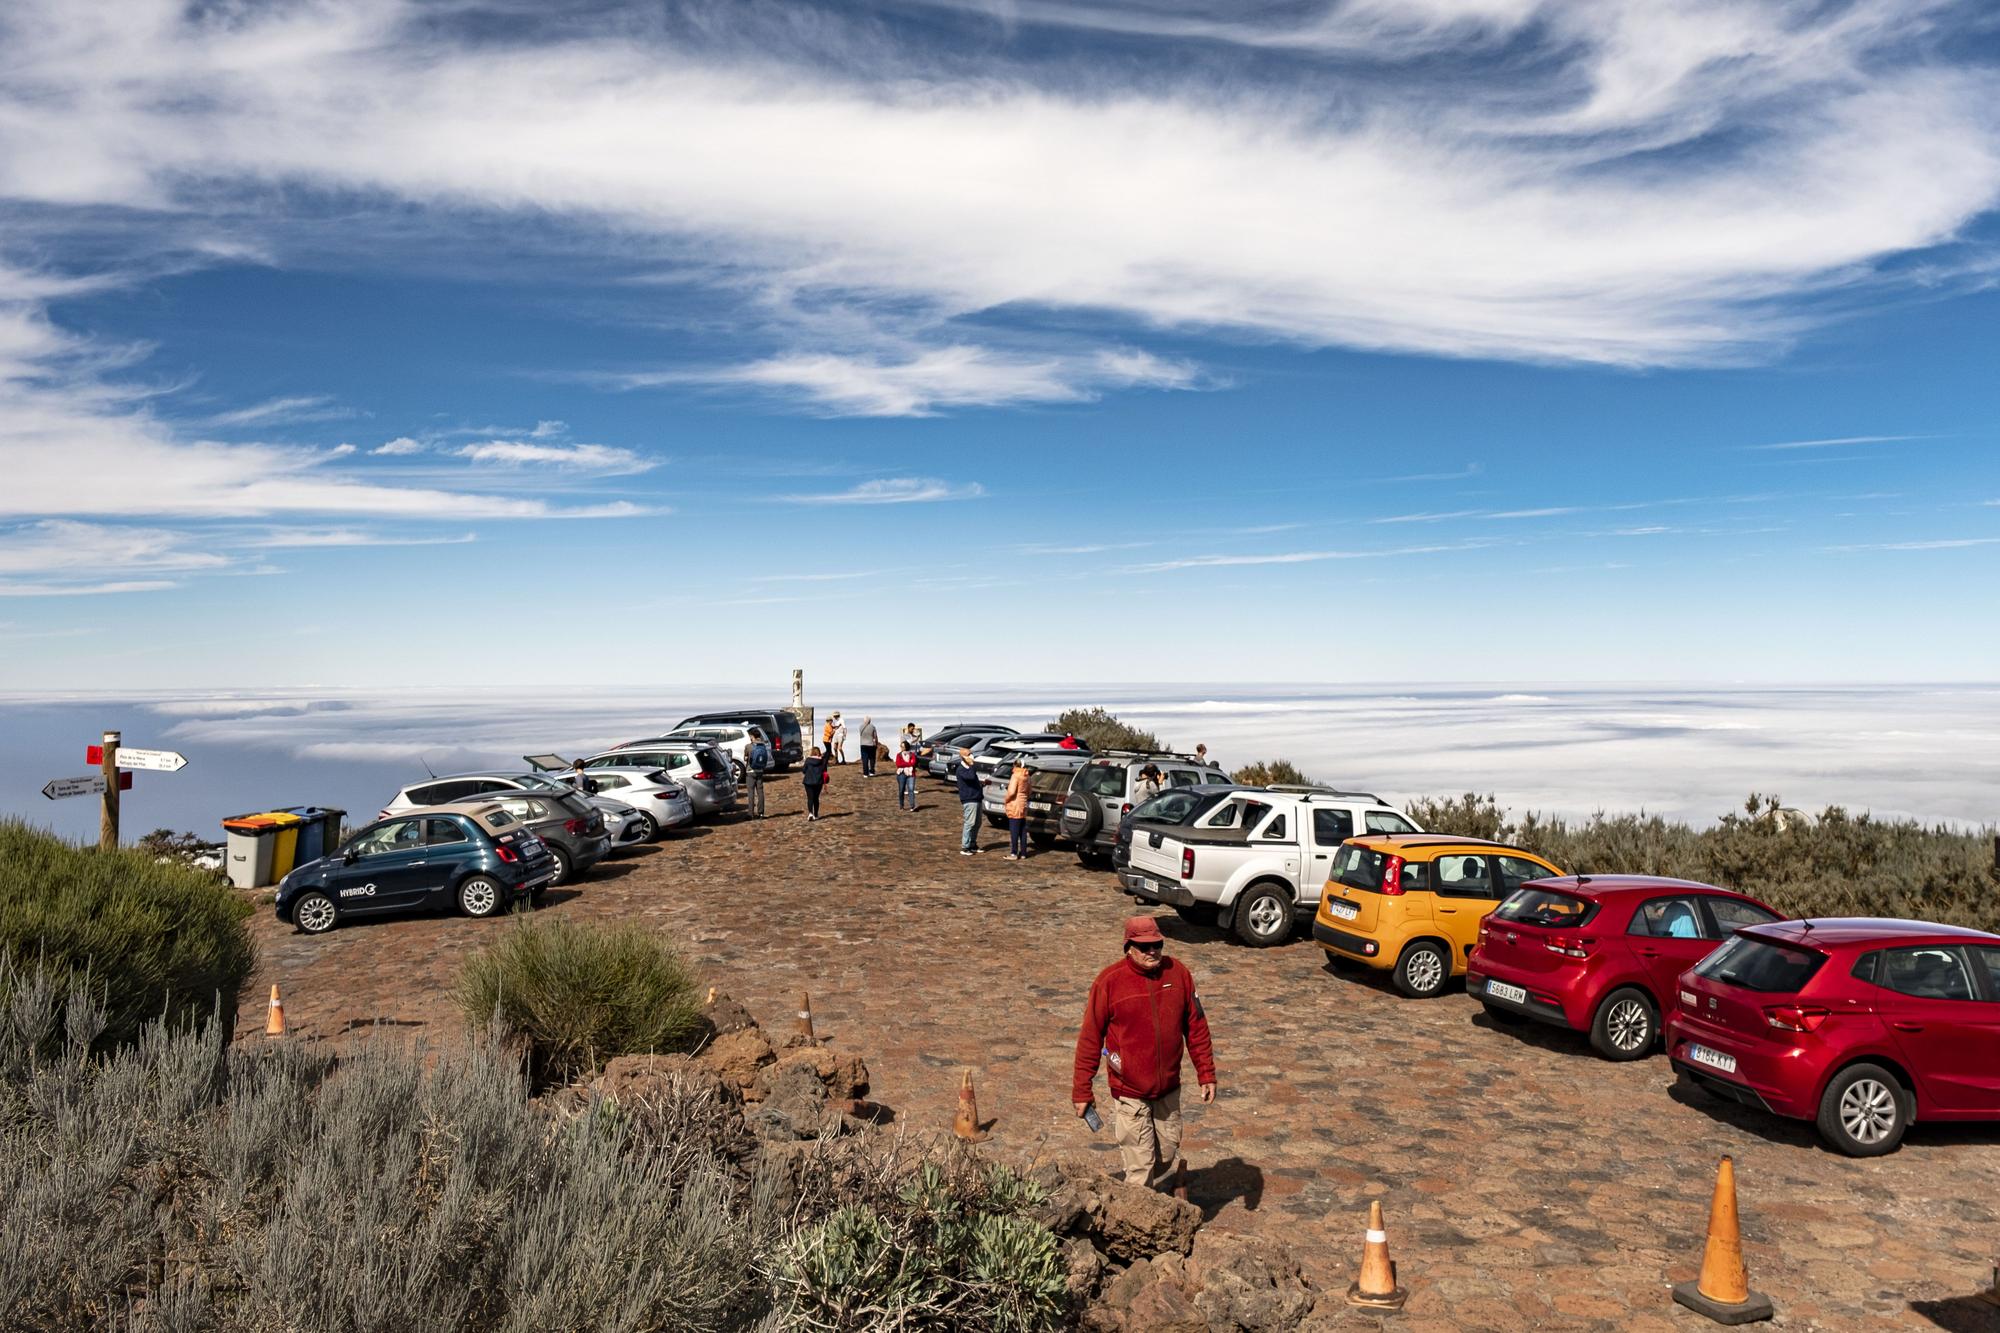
(1093, 1119)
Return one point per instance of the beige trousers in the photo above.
(1149, 1137)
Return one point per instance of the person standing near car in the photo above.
(756, 761)
(1016, 803)
(1149, 784)
(966, 777)
(813, 772)
(839, 739)
(906, 776)
(868, 744)
(1141, 1012)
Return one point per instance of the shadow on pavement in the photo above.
(1961, 1314)
(1213, 1187)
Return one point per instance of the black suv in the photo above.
(779, 725)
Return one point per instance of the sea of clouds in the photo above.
(1930, 752)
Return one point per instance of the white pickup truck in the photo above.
(1255, 863)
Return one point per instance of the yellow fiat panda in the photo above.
(1412, 902)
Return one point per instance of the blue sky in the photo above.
(375, 343)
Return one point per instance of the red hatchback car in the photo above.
(1858, 1024)
(1601, 953)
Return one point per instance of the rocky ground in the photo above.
(1527, 1183)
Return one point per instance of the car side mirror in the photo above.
(348, 856)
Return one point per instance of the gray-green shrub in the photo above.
(151, 939)
(1267, 772)
(1834, 864)
(1102, 730)
(578, 995)
(952, 1249)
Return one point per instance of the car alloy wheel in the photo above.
(1868, 1111)
(1624, 1026)
(562, 870)
(479, 896)
(1264, 917)
(1422, 971)
(649, 827)
(314, 913)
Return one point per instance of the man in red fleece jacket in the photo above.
(1141, 1010)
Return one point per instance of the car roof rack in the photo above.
(1150, 754)
(1314, 789)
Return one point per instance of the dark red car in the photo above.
(1601, 953)
(1858, 1024)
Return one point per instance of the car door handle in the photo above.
(1907, 1027)
(1649, 953)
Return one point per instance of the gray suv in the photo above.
(1106, 788)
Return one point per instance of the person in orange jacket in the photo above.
(1016, 806)
(1141, 1013)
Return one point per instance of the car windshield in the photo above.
(1104, 780)
(1760, 965)
(1545, 907)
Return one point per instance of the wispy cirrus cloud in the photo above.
(1924, 544)
(1293, 557)
(606, 460)
(913, 383)
(1835, 442)
(893, 490)
(1576, 217)
(283, 411)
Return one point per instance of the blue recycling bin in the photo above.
(319, 835)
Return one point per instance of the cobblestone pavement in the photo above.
(1527, 1183)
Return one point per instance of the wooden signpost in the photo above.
(114, 774)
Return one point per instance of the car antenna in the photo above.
(427, 766)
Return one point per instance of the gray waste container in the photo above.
(252, 843)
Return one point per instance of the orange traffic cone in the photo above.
(1376, 1287)
(274, 1021)
(966, 1125)
(1723, 1291)
(804, 1027)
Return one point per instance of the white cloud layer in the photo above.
(599, 458)
(1665, 190)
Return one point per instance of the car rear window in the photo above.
(1102, 780)
(1360, 868)
(1759, 965)
(1545, 907)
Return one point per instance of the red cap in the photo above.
(1142, 930)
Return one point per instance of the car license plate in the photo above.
(1038, 805)
(1701, 1055)
(1500, 990)
(1345, 911)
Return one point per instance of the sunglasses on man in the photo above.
(1154, 946)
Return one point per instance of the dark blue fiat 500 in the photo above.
(473, 856)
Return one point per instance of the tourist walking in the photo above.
(826, 733)
(1016, 803)
(906, 777)
(869, 741)
(1141, 1012)
(967, 779)
(839, 740)
(813, 773)
(756, 761)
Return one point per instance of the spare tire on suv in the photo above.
(1081, 817)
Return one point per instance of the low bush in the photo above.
(150, 939)
(1265, 772)
(1103, 731)
(182, 1184)
(1832, 864)
(578, 995)
(951, 1249)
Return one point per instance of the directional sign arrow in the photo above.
(162, 761)
(57, 789)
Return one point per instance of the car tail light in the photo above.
(1187, 863)
(505, 853)
(1796, 1017)
(1569, 948)
(575, 826)
(1485, 932)
(1392, 876)
(382, 814)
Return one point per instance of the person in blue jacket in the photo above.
(967, 779)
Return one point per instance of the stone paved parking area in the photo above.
(1527, 1183)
